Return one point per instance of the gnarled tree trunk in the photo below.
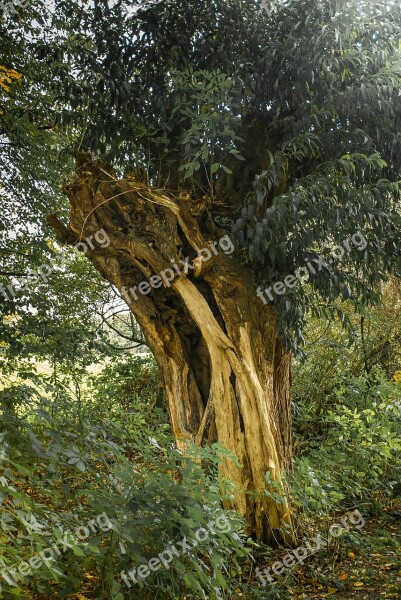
(225, 372)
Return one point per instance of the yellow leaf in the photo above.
(351, 555)
(397, 377)
(8, 76)
(358, 584)
(13, 73)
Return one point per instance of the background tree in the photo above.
(61, 322)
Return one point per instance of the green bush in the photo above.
(60, 473)
(360, 453)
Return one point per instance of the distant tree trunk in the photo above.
(225, 373)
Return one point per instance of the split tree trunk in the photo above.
(225, 373)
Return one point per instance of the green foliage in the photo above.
(130, 390)
(62, 468)
(52, 317)
(307, 94)
(130, 379)
(209, 127)
(360, 453)
(371, 340)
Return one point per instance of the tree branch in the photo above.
(129, 338)
(124, 349)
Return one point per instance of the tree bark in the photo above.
(225, 372)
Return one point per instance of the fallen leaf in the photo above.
(358, 584)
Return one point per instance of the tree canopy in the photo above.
(284, 121)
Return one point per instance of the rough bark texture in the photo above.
(225, 373)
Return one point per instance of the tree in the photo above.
(276, 124)
(52, 301)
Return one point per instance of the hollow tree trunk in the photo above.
(225, 372)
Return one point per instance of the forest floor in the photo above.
(365, 567)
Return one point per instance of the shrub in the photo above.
(360, 453)
(59, 474)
